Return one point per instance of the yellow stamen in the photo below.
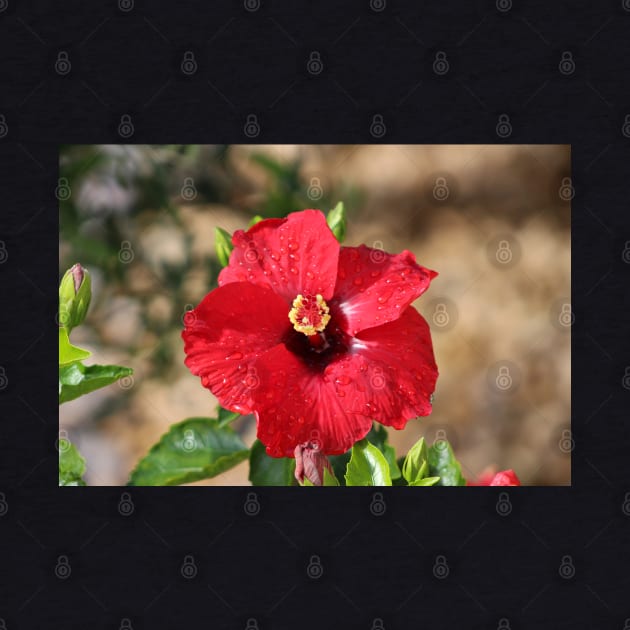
(309, 315)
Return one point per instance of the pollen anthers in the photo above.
(309, 314)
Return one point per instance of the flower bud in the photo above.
(336, 220)
(75, 293)
(310, 464)
(223, 246)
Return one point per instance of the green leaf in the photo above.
(67, 352)
(416, 466)
(427, 481)
(77, 379)
(330, 479)
(367, 466)
(378, 436)
(194, 449)
(71, 464)
(225, 417)
(270, 471)
(442, 463)
(223, 245)
(336, 220)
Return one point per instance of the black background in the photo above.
(504, 570)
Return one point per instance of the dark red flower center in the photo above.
(321, 348)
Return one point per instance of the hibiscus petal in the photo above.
(374, 287)
(388, 375)
(225, 336)
(292, 256)
(297, 404)
(392, 370)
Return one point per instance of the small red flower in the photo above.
(315, 339)
(503, 478)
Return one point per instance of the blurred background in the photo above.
(494, 221)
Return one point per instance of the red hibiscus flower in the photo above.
(315, 339)
(503, 478)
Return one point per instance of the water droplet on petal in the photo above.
(293, 246)
(235, 356)
(383, 297)
(358, 281)
(293, 270)
(342, 379)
